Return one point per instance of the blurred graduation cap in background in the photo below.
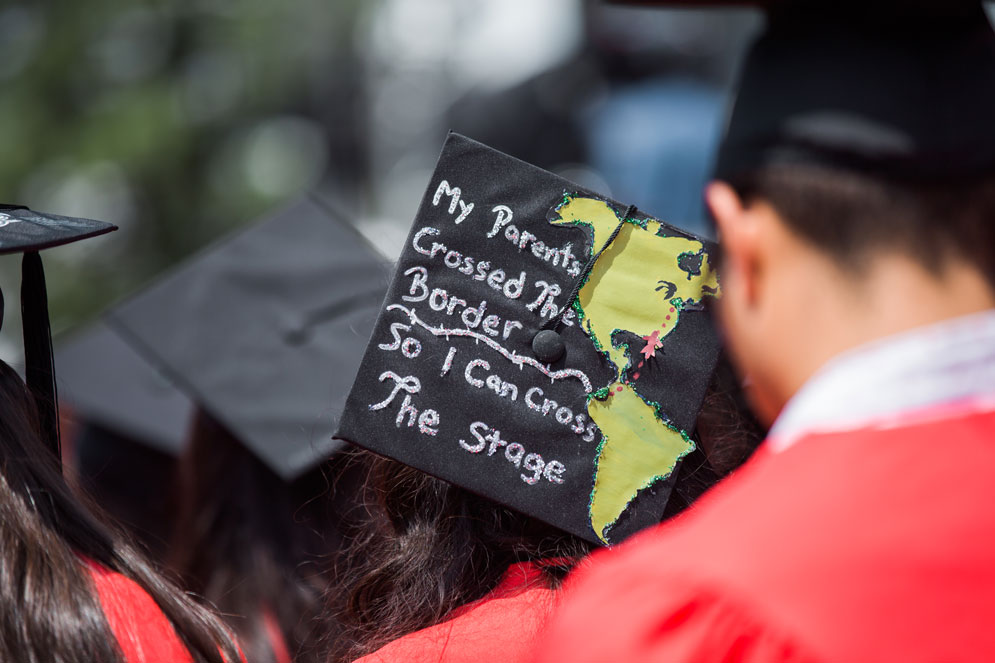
(25, 231)
(263, 331)
(107, 383)
(236, 364)
(124, 424)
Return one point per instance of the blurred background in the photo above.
(185, 122)
(181, 121)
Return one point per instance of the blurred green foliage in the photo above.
(175, 120)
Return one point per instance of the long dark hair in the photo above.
(424, 547)
(250, 542)
(49, 605)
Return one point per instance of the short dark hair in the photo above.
(854, 216)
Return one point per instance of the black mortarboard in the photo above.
(264, 330)
(108, 384)
(539, 345)
(126, 424)
(25, 231)
(901, 89)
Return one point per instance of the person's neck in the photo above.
(892, 296)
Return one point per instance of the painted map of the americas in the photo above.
(641, 283)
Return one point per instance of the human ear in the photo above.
(742, 306)
(737, 234)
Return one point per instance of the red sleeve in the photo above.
(143, 632)
(610, 615)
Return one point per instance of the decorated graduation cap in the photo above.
(540, 345)
(264, 330)
(26, 231)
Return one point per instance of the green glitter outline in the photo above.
(702, 252)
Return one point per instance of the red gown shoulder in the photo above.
(502, 626)
(859, 546)
(143, 632)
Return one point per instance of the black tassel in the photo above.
(39, 363)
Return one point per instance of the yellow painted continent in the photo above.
(637, 450)
(637, 285)
(624, 288)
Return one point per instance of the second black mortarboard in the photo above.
(26, 231)
(108, 384)
(265, 329)
(540, 345)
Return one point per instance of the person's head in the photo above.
(50, 608)
(855, 191)
(816, 261)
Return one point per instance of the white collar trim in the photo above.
(933, 372)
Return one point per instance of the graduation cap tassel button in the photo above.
(548, 346)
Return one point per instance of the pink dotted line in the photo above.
(635, 376)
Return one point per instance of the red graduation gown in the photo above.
(143, 632)
(867, 545)
(502, 626)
